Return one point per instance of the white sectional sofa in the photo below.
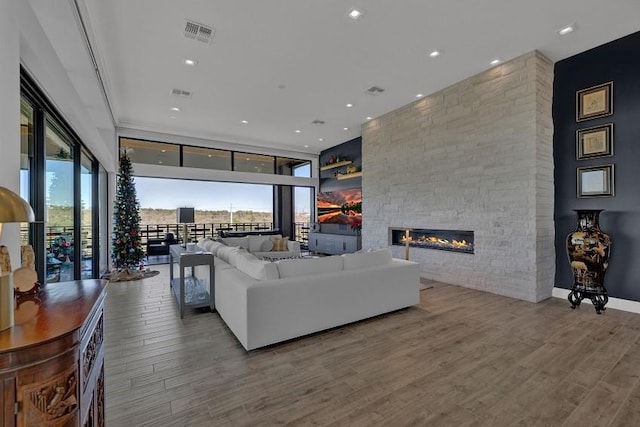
(266, 302)
(262, 246)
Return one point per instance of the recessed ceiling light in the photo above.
(190, 62)
(435, 53)
(159, 162)
(345, 128)
(175, 108)
(355, 13)
(164, 151)
(320, 139)
(495, 61)
(306, 146)
(247, 159)
(368, 118)
(349, 105)
(298, 131)
(566, 30)
(209, 155)
(419, 95)
(244, 122)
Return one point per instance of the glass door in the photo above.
(59, 205)
(86, 216)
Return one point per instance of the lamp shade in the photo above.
(185, 215)
(14, 208)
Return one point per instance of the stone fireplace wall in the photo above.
(474, 156)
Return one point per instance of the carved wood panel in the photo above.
(52, 401)
(91, 351)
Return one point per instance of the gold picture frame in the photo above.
(595, 181)
(593, 142)
(595, 101)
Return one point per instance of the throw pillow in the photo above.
(280, 245)
(266, 246)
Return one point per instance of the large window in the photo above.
(86, 216)
(171, 154)
(58, 177)
(59, 207)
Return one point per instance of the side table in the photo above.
(184, 259)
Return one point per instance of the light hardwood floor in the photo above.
(460, 358)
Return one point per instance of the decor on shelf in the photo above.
(595, 101)
(127, 253)
(594, 142)
(13, 208)
(185, 216)
(595, 181)
(588, 249)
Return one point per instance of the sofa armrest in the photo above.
(294, 246)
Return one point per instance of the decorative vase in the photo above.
(588, 249)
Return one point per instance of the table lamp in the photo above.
(13, 208)
(185, 216)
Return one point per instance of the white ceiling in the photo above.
(281, 64)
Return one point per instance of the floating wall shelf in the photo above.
(342, 176)
(335, 165)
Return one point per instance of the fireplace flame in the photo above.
(458, 244)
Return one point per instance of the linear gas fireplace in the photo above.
(444, 240)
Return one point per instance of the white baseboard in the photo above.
(617, 303)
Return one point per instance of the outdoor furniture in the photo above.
(157, 247)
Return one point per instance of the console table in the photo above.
(334, 244)
(51, 360)
(184, 259)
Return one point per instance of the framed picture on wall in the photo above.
(594, 142)
(596, 101)
(595, 181)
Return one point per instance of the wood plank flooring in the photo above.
(460, 358)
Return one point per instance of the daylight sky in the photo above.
(205, 195)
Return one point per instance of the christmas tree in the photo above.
(127, 251)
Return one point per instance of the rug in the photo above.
(127, 274)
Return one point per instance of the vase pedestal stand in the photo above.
(599, 297)
(588, 248)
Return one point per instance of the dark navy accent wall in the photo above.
(618, 61)
(351, 150)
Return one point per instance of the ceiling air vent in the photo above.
(374, 91)
(199, 32)
(180, 92)
(318, 122)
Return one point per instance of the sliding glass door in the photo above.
(59, 177)
(59, 204)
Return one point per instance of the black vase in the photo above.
(588, 249)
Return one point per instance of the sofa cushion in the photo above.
(308, 266)
(266, 246)
(367, 259)
(242, 242)
(228, 254)
(280, 244)
(256, 242)
(209, 245)
(252, 266)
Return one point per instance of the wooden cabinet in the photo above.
(334, 244)
(52, 359)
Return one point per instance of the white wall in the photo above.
(10, 116)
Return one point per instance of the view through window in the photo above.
(218, 204)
